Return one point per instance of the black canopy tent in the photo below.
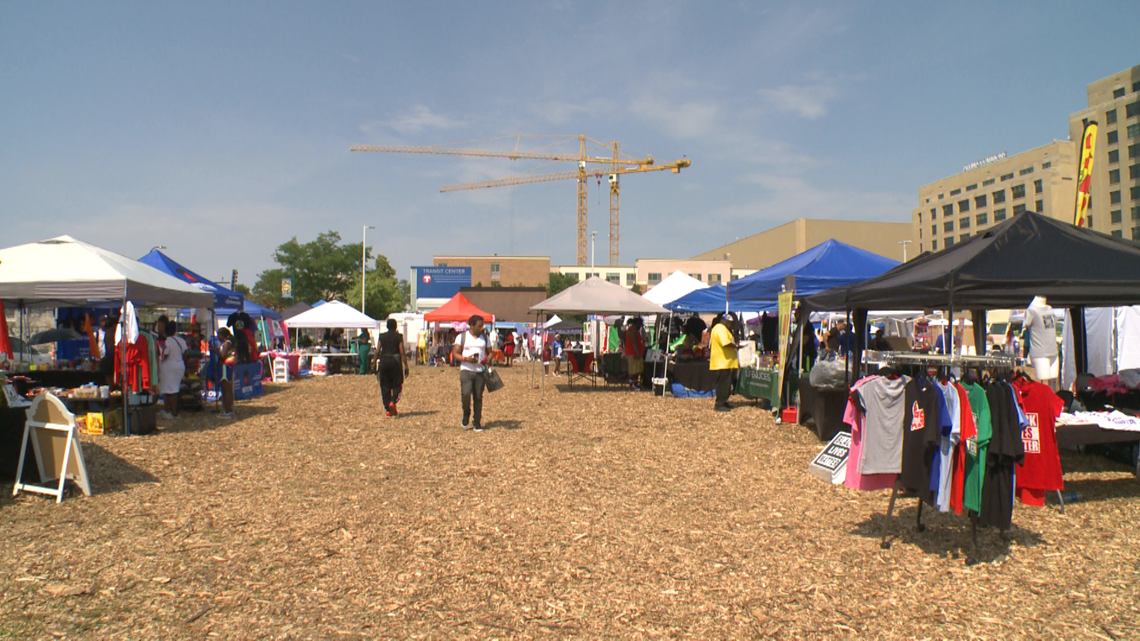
(1003, 267)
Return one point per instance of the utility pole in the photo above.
(364, 264)
(904, 243)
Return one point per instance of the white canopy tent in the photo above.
(65, 272)
(332, 315)
(675, 286)
(597, 296)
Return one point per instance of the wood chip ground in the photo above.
(585, 513)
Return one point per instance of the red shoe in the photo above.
(392, 410)
(388, 414)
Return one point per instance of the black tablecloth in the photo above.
(694, 375)
(824, 406)
(11, 431)
(64, 378)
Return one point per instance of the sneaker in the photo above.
(388, 414)
(392, 410)
(226, 415)
(722, 409)
(477, 428)
(464, 424)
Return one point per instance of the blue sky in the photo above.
(223, 129)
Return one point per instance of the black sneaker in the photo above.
(464, 424)
(477, 428)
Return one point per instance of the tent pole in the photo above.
(121, 347)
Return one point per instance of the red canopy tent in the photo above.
(458, 309)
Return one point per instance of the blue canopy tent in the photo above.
(829, 264)
(223, 297)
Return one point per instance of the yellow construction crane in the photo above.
(618, 164)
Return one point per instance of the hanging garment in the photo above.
(968, 434)
(857, 419)
(882, 401)
(923, 420)
(948, 440)
(1005, 450)
(1040, 471)
(976, 451)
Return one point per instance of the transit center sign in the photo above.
(440, 282)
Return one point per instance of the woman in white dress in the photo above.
(171, 370)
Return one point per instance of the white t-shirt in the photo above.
(472, 346)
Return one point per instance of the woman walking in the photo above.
(391, 367)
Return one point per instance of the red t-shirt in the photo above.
(1041, 469)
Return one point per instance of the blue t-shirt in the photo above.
(556, 349)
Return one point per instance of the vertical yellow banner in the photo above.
(785, 305)
(1084, 173)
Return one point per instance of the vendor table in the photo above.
(824, 405)
(694, 375)
(759, 384)
(1072, 435)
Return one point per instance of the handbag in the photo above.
(493, 380)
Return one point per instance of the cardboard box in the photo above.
(100, 422)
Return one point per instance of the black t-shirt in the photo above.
(390, 344)
(920, 437)
(1005, 450)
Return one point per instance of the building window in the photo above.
(696, 276)
(948, 226)
(1007, 177)
(963, 238)
(1118, 93)
(494, 271)
(988, 182)
(980, 201)
(947, 210)
(1136, 233)
(933, 214)
(1038, 187)
(1132, 109)
(1136, 213)
(1134, 172)
(1114, 197)
(630, 279)
(1116, 233)
(955, 192)
(963, 205)
(971, 187)
(1134, 193)
(654, 278)
(1114, 155)
(941, 196)
(1114, 217)
(613, 277)
(934, 245)
(964, 223)
(999, 196)
(948, 243)
(1027, 170)
(1018, 191)
(1046, 165)
(1112, 137)
(934, 230)
(1089, 218)
(1018, 209)
(919, 235)
(999, 215)
(1133, 130)
(1114, 177)
(982, 219)
(1039, 206)
(1110, 117)
(920, 218)
(714, 279)
(1136, 86)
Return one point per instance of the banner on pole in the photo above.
(785, 305)
(286, 288)
(1084, 173)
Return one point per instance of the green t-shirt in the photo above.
(976, 456)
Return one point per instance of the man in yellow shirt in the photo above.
(722, 360)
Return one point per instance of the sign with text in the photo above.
(831, 463)
(440, 282)
(286, 288)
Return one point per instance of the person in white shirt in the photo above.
(470, 349)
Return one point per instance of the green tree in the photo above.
(385, 294)
(321, 269)
(243, 290)
(559, 282)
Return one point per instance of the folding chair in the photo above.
(580, 366)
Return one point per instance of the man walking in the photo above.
(470, 350)
(722, 361)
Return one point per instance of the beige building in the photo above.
(651, 271)
(1114, 103)
(505, 271)
(781, 243)
(621, 275)
(991, 190)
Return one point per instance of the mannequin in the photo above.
(1042, 328)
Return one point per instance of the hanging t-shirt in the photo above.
(968, 433)
(1005, 451)
(1041, 469)
(856, 418)
(976, 451)
(1042, 331)
(883, 402)
(922, 426)
(948, 440)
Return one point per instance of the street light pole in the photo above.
(592, 235)
(904, 243)
(364, 264)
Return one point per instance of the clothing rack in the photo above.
(885, 358)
